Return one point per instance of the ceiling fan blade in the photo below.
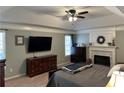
(85, 12)
(67, 11)
(80, 17)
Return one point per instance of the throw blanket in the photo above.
(76, 67)
(95, 76)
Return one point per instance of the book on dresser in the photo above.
(41, 64)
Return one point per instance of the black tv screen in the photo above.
(39, 44)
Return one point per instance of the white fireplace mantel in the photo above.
(103, 51)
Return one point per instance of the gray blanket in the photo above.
(91, 77)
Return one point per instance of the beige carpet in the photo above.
(36, 81)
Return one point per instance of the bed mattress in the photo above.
(95, 76)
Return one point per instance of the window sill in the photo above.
(67, 55)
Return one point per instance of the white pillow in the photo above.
(114, 68)
(121, 66)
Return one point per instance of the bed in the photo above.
(95, 76)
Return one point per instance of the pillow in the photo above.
(115, 68)
(121, 67)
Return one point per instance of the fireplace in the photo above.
(102, 60)
(109, 54)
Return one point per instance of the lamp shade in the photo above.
(117, 79)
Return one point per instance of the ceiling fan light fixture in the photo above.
(75, 18)
(70, 19)
(72, 15)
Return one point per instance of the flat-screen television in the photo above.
(37, 44)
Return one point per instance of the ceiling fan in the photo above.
(73, 15)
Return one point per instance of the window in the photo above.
(68, 45)
(2, 45)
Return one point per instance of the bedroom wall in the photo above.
(16, 55)
(82, 38)
(108, 35)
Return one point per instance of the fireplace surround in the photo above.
(106, 51)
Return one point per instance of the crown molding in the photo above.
(36, 28)
(101, 29)
(29, 27)
(112, 28)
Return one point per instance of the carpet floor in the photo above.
(25, 81)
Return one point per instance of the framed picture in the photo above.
(19, 40)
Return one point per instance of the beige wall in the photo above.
(81, 38)
(120, 44)
(109, 36)
(16, 55)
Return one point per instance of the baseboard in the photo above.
(16, 76)
(19, 75)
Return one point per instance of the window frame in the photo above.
(4, 44)
(65, 44)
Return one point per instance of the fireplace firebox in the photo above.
(102, 60)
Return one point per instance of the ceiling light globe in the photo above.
(70, 19)
(75, 18)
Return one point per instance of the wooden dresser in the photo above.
(38, 65)
(78, 54)
(2, 64)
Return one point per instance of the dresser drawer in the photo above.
(40, 65)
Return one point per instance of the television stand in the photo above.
(41, 64)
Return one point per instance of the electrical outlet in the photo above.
(11, 70)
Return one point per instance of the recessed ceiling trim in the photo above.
(25, 27)
(115, 10)
(111, 28)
